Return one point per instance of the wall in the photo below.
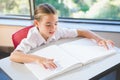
(5, 37)
(112, 36)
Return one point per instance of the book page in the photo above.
(86, 53)
(62, 60)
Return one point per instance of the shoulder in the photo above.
(33, 31)
(65, 30)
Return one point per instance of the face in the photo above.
(48, 25)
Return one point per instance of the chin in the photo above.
(50, 35)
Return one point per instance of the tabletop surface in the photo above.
(19, 71)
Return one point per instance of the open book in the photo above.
(68, 56)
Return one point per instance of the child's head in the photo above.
(45, 19)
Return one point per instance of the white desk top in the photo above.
(19, 72)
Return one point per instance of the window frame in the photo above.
(23, 17)
(63, 19)
(87, 21)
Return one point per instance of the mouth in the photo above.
(51, 32)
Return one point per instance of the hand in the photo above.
(106, 43)
(46, 63)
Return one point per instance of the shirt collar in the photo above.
(43, 40)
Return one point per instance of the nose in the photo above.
(53, 26)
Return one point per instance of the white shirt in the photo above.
(34, 38)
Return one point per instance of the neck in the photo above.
(44, 36)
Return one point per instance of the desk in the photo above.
(19, 72)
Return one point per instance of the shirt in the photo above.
(34, 38)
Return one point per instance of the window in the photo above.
(15, 9)
(97, 10)
(89, 11)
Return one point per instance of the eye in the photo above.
(56, 24)
(48, 24)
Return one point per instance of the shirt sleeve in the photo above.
(27, 43)
(67, 33)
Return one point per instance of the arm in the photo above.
(91, 35)
(19, 56)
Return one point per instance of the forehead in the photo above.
(50, 18)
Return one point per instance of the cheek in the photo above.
(56, 28)
(45, 30)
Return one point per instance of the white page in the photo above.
(83, 42)
(62, 60)
(86, 53)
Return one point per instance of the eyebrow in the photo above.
(51, 22)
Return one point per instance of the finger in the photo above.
(52, 66)
(49, 66)
(44, 66)
(51, 59)
(100, 43)
(111, 43)
(51, 62)
(103, 43)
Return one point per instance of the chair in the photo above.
(19, 35)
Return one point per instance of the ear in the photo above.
(36, 23)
